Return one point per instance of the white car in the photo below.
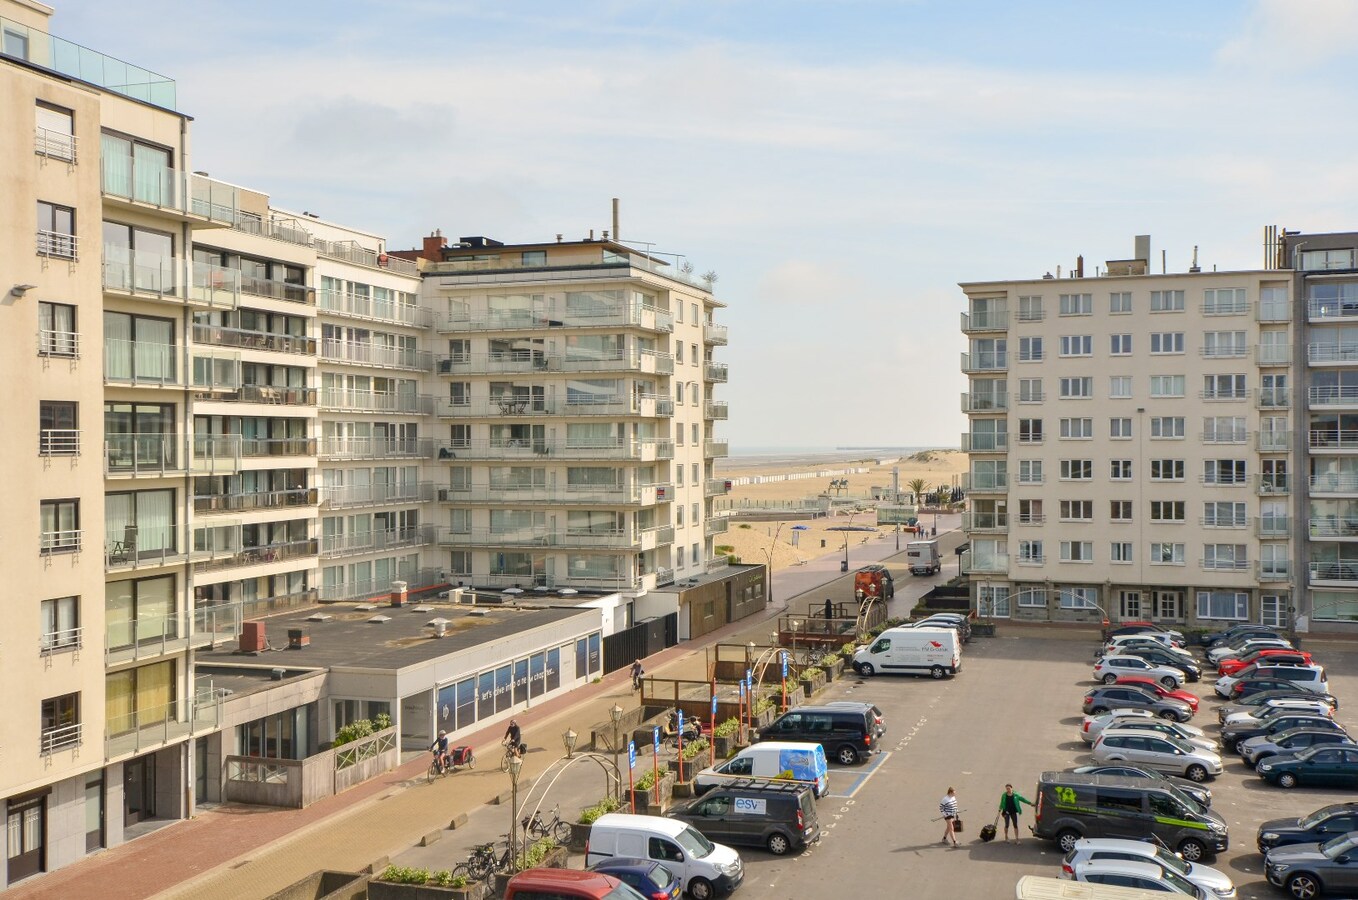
(1093, 726)
(1180, 730)
(1144, 874)
(1215, 882)
(1320, 707)
(1157, 751)
(1217, 654)
(1313, 674)
(1110, 668)
(1157, 637)
(1128, 642)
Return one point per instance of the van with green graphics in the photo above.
(1070, 806)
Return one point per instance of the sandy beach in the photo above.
(756, 541)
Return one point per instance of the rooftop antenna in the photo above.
(1195, 267)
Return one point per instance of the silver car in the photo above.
(1213, 881)
(1186, 733)
(1159, 752)
(1093, 726)
(1147, 876)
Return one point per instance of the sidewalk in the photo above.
(250, 852)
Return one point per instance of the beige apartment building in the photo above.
(1171, 447)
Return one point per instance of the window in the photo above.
(679, 434)
(1167, 427)
(1166, 554)
(679, 393)
(1223, 605)
(1077, 429)
(1167, 301)
(1077, 304)
(60, 528)
(56, 230)
(55, 132)
(1120, 429)
(60, 624)
(693, 357)
(141, 349)
(1164, 342)
(1129, 605)
(1167, 470)
(1223, 514)
(1120, 302)
(1224, 556)
(1120, 551)
(1077, 551)
(1030, 512)
(693, 311)
(1030, 390)
(1077, 469)
(1030, 431)
(1079, 598)
(1030, 553)
(694, 553)
(58, 428)
(1223, 471)
(1030, 349)
(693, 511)
(1030, 471)
(1030, 597)
(1167, 511)
(1120, 510)
(1120, 344)
(1077, 510)
(56, 331)
(679, 352)
(1273, 610)
(1312, 260)
(693, 438)
(1223, 387)
(1224, 302)
(60, 722)
(1167, 385)
(679, 509)
(1030, 309)
(1223, 344)
(693, 392)
(1223, 430)
(679, 311)
(1120, 387)
(533, 258)
(679, 472)
(1077, 388)
(1167, 604)
(137, 170)
(1120, 469)
(1077, 345)
(993, 599)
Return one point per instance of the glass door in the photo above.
(139, 790)
(25, 837)
(94, 812)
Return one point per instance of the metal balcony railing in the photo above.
(351, 251)
(514, 448)
(255, 500)
(985, 361)
(57, 244)
(372, 541)
(62, 639)
(1323, 352)
(253, 340)
(55, 144)
(1343, 572)
(1220, 564)
(62, 344)
(1333, 526)
(985, 320)
(338, 448)
(376, 355)
(1331, 483)
(68, 541)
(362, 306)
(59, 442)
(1332, 395)
(231, 557)
(54, 739)
(1276, 484)
(1273, 398)
(1333, 439)
(351, 495)
(377, 401)
(1331, 308)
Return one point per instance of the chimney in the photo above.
(434, 246)
(617, 235)
(591, 234)
(1195, 267)
(1143, 248)
(1080, 266)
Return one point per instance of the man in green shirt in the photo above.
(1010, 806)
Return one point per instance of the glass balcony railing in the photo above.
(254, 340)
(716, 372)
(714, 334)
(230, 557)
(333, 545)
(715, 409)
(376, 355)
(351, 495)
(64, 57)
(376, 401)
(245, 501)
(142, 273)
(362, 306)
(140, 363)
(985, 320)
(375, 448)
(142, 454)
(716, 448)
(528, 448)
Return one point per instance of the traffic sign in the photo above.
(631, 754)
(655, 738)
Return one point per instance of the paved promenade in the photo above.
(240, 851)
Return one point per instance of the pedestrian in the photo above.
(948, 806)
(1011, 804)
(933, 532)
(829, 609)
(637, 672)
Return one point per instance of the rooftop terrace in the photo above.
(48, 51)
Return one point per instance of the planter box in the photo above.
(724, 746)
(386, 890)
(645, 801)
(983, 629)
(579, 837)
(556, 859)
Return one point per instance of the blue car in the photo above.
(645, 876)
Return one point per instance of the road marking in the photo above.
(865, 773)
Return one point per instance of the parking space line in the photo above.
(865, 773)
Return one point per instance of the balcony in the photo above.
(714, 334)
(146, 637)
(59, 442)
(986, 320)
(649, 318)
(249, 501)
(715, 410)
(263, 394)
(984, 403)
(59, 344)
(349, 496)
(1278, 485)
(1224, 396)
(1333, 527)
(716, 525)
(1232, 307)
(1342, 573)
(63, 738)
(1273, 570)
(1332, 396)
(987, 564)
(355, 448)
(1331, 309)
(231, 557)
(141, 364)
(214, 286)
(273, 289)
(336, 545)
(526, 362)
(341, 400)
(352, 251)
(1273, 355)
(572, 495)
(376, 356)
(129, 546)
(715, 372)
(1216, 564)
(142, 274)
(275, 227)
(1332, 440)
(987, 442)
(57, 245)
(985, 361)
(361, 306)
(1273, 398)
(1273, 311)
(544, 538)
(985, 522)
(716, 487)
(83, 64)
(253, 340)
(985, 483)
(61, 640)
(53, 542)
(1223, 351)
(59, 145)
(145, 730)
(1332, 352)
(149, 455)
(713, 449)
(636, 451)
(1224, 436)
(223, 453)
(1272, 528)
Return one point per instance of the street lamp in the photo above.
(616, 715)
(794, 624)
(569, 739)
(515, 766)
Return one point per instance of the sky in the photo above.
(840, 164)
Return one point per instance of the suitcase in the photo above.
(987, 833)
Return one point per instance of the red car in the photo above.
(1159, 690)
(1231, 665)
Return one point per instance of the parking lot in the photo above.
(1011, 714)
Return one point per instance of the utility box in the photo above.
(252, 639)
(297, 639)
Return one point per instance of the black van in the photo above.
(848, 733)
(1071, 806)
(755, 812)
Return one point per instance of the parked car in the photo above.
(1321, 825)
(1122, 628)
(1213, 881)
(568, 884)
(1244, 645)
(1168, 729)
(1274, 682)
(706, 869)
(1293, 740)
(1166, 656)
(1149, 637)
(1216, 637)
(1150, 684)
(1104, 699)
(1157, 751)
(1302, 675)
(1199, 793)
(1328, 766)
(1146, 876)
(1093, 725)
(1128, 645)
(1283, 720)
(1110, 668)
(1261, 700)
(1296, 705)
(946, 620)
(1277, 656)
(1311, 870)
(877, 715)
(647, 877)
(777, 815)
(848, 735)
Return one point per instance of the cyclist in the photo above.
(514, 737)
(440, 750)
(637, 672)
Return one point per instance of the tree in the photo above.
(917, 486)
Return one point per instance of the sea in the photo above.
(751, 457)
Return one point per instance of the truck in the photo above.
(874, 581)
(923, 557)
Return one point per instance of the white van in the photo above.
(707, 869)
(1038, 887)
(936, 651)
(770, 759)
(923, 557)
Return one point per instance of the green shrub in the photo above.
(535, 854)
(382, 722)
(404, 875)
(848, 649)
(590, 814)
(445, 879)
(353, 731)
(693, 748)
(743, 525)
(727, 728)
(725, 548)
(763, 705)
(645, 782)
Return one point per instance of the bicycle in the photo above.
(454, 759)
(483, 862)
(556, 828)
(814, 656)
(510, 752)
(438, 767)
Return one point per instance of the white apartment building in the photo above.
(1133, 442)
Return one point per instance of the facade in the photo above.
(1134, 449)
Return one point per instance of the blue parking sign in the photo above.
(714, 709)
(681, 721)
(749, 676)
(655, 738)
(784, 663)
(631, 754)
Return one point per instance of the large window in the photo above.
(139, 349)
(1167, 470)
(56, 230)
(1077, 388)
(1223, 387)
(1077, 510)
(1167, 427)
(55, 131)
(1077, 429)
(140, 611)
(1167, 554)
(60, 722)
(1167, 342)
(141, 697)
(1167, 511)
(140, 525)
(1077, 345)
(290, 734)
(1079, 598)
(60, 624)
(1077, 551)
(1167, 301)
(56, 331)
(1167, 385)
(140, 436)
(139, 171)
(1030, 349)
(58, 428)
(1077, 304)
(1230, 557)
(59, 526)
(1223, 605)
(1077, 469)
(138, 259)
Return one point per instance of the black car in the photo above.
(1216, 637)
(1256, 700)
(1275, 725)
(848, 734)
(1249, 686)
(1200, 794)
(1318, 827)
(1162, 657)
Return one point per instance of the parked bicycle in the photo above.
(556, 828)
(815, 656)
(484, 862)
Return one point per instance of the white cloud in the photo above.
(1286, 35)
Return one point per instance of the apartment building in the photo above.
(1134, 449)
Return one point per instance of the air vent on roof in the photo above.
(380, 620)
(319, 617)
(421, 609)
(366, 607)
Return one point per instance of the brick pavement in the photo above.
(241, 851)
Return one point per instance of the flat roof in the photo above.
(683, 584)
(350, 639)
(1206, 273)
(247, 678)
